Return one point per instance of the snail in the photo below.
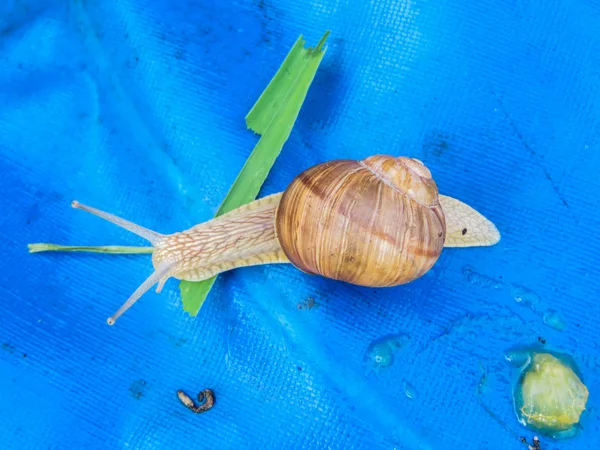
(377, 222)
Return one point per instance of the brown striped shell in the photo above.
(375, 222)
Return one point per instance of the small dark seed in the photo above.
(206, 399)
(464, 231)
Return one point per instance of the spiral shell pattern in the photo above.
(375, 222)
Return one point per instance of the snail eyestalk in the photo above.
(160, 275)
(161, 272)
(152, 236)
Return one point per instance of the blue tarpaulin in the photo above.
(137, 108)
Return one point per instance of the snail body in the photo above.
(377, 222)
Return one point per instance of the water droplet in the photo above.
(553, 319)
(409, 390)
(482, 280)
(525, 297)
(380, 353)
(517, 358)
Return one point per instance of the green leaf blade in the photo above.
(114, 249)
(300, 64)
(273, 116)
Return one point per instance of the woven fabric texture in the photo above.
(137, 108)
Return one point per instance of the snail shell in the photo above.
(375, 222)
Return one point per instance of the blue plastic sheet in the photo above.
(137, 107)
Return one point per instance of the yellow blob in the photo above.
(552, 395)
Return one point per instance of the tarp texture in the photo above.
(138, 107)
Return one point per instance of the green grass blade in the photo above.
(273, 117)
(118, 249)
(298, 64)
